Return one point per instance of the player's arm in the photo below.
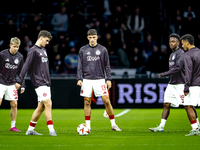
(19, 70)
(188, 72)
(176, 68)
(80, 69)
(29, 60)
(107, 69)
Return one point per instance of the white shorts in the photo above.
(174, 94)
(193, 98)
(43, 93)
(9, 91)
(99, 87)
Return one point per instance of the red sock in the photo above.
(32, 124)
(111, 116)
(50, 122)
(87, 117)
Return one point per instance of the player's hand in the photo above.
(79, 83)
(186, 93)
(108, 84)
(22, 90)
(17, 85)
(159, 75)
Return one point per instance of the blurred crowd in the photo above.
(135, 33)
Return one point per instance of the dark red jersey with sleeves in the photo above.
(192, 68)
(93, 63)
(37, 65)
(10, 67)
(176, 67)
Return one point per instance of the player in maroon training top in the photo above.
(192, 80)
(11, 62)
(92, 66)
(37, 65)
(174, 95)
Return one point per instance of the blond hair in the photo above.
(15, 41)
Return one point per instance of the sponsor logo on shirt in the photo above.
(7, 60)
(88, 53)
(95, 58)
(10, 66)
(44, 59)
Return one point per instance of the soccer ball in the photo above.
(82, 129)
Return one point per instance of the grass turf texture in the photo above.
(135, 135)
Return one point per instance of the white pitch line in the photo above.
(122, 113)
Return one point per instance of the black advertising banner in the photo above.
(125, 93)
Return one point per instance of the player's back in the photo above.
(192, 62)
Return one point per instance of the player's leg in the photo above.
(3, 89)
(190, 101)
(86, 92)
(13, 115)
(48, 117)
(171, 98)
(109, 110)
(87, 111)
(35, 117)
(12, 96)
(1, 101)
(192, 116)
(165, 114)
(197, 119)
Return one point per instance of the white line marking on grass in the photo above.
(122, 113)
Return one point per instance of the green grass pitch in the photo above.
(135, 135)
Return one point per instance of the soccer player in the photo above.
(174, 95)
(11, 62)
(38, 67)
(192, 80)
(93, 64)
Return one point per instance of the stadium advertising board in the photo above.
(125, 93)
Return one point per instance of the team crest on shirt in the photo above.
(16, 61)
(173, 57)
(98, 52)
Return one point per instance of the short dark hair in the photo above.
(92, 32)
(189, 38)
(45, 33)
(175, 35)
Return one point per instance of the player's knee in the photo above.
(87, 101)
(48, 104)
(13, 104)
(106, 101)
(166, 105)
(188, 107)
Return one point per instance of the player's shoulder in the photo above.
(101, 48)
(19, 54)
(84, 47)
(4, 51)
